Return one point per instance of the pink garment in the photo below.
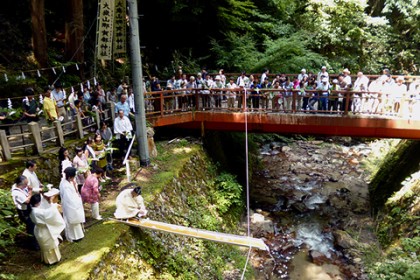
(90, 190)
(81, 163)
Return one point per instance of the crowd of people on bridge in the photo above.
(305, 92)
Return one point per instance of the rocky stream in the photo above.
(311, 205)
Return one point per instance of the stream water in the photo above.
(311, 207)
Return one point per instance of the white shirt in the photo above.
(33, 180)
(347, 79)
(130, 100)
(363, 80)
(122, 125)
(19, 197)
(231, 86)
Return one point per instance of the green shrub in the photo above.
(228, 193)
(9, 227)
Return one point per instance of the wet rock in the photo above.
(285, 149)
(259, 223)
(300, 207)
(317, 257)
(344, 240)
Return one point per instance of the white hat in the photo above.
(324, 80)
(324, 67)
(335, 81)
(346, 70)
(192, 78)
(217, 77)
(52, 192)
(400, 78)
(303, 70)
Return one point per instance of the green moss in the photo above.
(79, 258)
(181, 190)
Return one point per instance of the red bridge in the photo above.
(345, 123)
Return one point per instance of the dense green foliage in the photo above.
(9, 227)
(283, 36)
(398, 231)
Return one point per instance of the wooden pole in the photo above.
(7, 155)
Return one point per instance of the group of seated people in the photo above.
(48, 211)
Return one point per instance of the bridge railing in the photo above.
(37, 135)
(340, 102)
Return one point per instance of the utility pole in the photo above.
(140, 116)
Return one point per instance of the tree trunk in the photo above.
(39, 33)
(74, 48)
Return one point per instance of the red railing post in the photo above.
(346, 106)
(161, 103)
(197, 100)
(293, 101)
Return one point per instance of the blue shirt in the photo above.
(57, 96)
(124, 107)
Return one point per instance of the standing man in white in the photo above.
(29, 173)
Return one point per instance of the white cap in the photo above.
(192, 78)
(324, 67)
(346, 70)
(335, 81)
(303, 70)
(400, 78)
(324, 80)
(217, 77)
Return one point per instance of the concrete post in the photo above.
(7, 155)
(60, 134)
(137, 74)
(111, 107)
(36, 137)
(79, 126)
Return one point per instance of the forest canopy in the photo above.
(281, 35)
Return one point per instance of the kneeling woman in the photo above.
(48, 226)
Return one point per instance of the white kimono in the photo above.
(48, 227)
(74, 214)
(129, 206)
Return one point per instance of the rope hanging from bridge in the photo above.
(247, 186)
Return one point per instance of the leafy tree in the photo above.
(404, 19)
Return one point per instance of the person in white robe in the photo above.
(72, 205)
(130, 204)
(48, 226)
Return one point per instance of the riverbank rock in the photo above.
(344, 240)
(318, 258)
(261, 224)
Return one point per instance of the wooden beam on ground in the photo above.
(197, 233)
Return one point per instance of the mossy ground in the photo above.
(176, 190)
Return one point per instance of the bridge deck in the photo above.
(297, 123)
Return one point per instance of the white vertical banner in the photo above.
(120, 26)
(105, 29)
